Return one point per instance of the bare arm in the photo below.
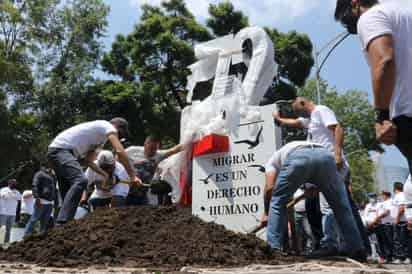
(173, 150)
(381, 57)
(287, 121)
(338, 135)
(270, 178)
(97, 169)
(121, 154)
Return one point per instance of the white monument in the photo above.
(228, 187)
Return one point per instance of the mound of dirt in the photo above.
(142, 237)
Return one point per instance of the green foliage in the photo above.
(224, 19)
(156, 56)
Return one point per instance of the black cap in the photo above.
(122, 127)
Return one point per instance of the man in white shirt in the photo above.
(290, 167)
(113, 191)
(401, 236)
(385, 32)
(145, 160)
(383, 228)
(27, 205)
(324, 129)
(79, 143)
(9, 197)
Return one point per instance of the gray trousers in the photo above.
(8, 221)
(72, 181)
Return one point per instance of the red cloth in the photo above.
(212, 143)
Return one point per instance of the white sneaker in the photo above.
(407, 261)
(397, 261)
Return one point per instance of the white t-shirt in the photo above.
(119, 189)
(371, 212)
(278, 157)
(84, 137)
(27, 204)
(397, 200)
(407, 190)
(318, 132)
(384, 207)
(299, 206)
(395, 20)
(9, 199)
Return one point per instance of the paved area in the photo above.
(314, 267)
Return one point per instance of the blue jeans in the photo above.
(72, 181)
(315, 165)
(42, 214)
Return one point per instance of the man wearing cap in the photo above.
(385, 32)
(113, 191)
(79, 143)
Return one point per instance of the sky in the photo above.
(346, 68)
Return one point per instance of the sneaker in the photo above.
(381, 260)
(407, 261)
(323, 252)
(397, 261)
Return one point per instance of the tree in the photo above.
(48, 52)
(224, 19)
(155, 56)
(69, 62)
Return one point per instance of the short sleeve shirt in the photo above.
(318, 125)
(84, 138)
(392, 19)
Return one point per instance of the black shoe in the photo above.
(323, 252)
(359, 255)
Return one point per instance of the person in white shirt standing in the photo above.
(401, 235)
(78, 144)
(385, 32)
(10, 197)
(324, 129)
(383, 228)
(27, 205)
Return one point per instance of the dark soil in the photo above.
(142, 237)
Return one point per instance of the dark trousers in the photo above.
(384, 235)
(99, 202)
(136, 200)
(401, 241)
(118, 201)
(404, 143)
(72, 181)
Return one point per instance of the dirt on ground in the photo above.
(167, 238)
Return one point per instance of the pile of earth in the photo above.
(142, 237)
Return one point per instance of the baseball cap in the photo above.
(105, 158)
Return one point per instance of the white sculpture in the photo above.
(230, 99)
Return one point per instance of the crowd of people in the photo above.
(106, 184)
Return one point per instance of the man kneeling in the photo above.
(290, 167)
